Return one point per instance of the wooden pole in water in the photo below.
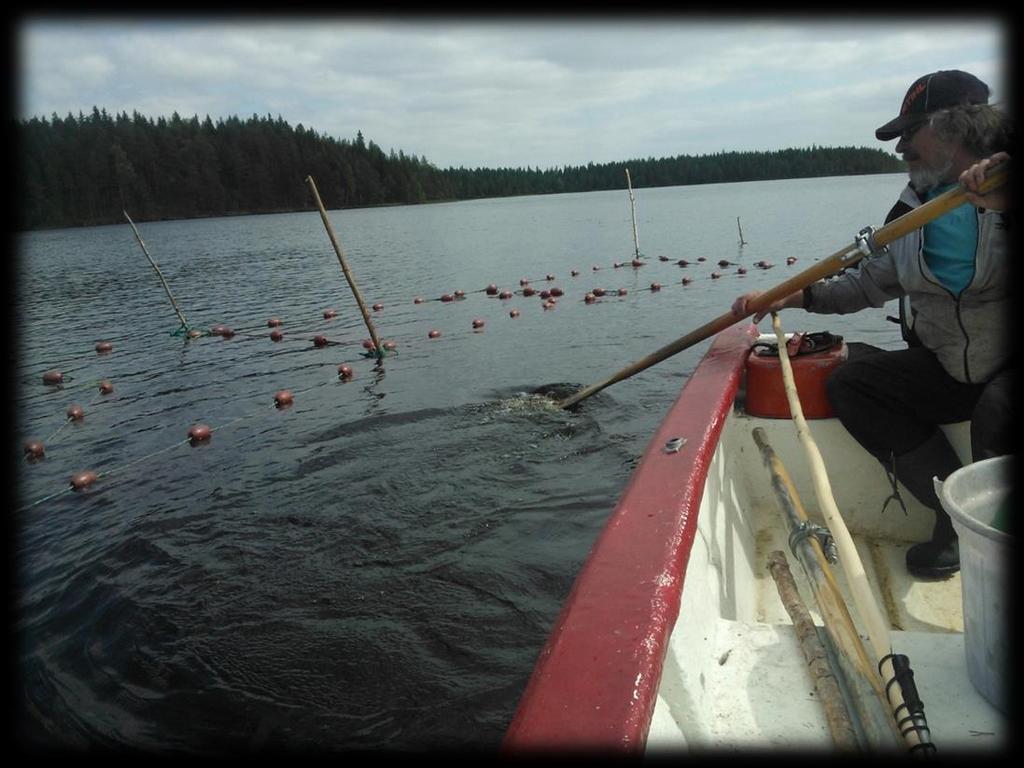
(632, 210)
(344, 268)
(742, 241)
(159, 274)
(913, 725)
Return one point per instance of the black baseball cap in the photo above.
(939, 90)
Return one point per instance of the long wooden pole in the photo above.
(159, 274)
(632, 211)
(912, 724)
(853, 658)
(841, 259)
(824, 679)
(344, 268)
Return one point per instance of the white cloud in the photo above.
(512, 93)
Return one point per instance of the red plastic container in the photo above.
(766, 393)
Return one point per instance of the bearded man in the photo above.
(953, 280)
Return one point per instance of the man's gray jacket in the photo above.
(968, 333)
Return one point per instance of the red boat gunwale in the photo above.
(596, 680)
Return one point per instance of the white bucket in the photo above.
(973, 495)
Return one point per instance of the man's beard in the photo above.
(927, 178)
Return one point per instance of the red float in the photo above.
(273, 322)
(83, 480)
(345, 371)
(418, 300)
(378, 307)
(741, 270)
(106, 387)
(227, 333)
(434, 334)
(460, 294)
(715, 275)
(556, 291)
(34, 449)
(491, 289)
(276, 335)
(218, 330)
(390, 346)
(283, 398)
(529, 291)
(655, 286)
(686, 280)
(513, 313)
(329, 313)
(505, 295)
(368, 344)
(199, 433)
(683, 263)
(598, 292)
(550, 277)
(446, 297)
(791, 260)
(589, 298)
(195, 333)
(545, 294)
(53, 377)
(320, 341)
(478, 323)
(103, 347)
(622, 291)
(75, 413)
(637, 263)
(574, 272)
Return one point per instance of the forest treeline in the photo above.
(87, 170)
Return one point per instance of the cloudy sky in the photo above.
(541, 92)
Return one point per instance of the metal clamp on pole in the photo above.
(807, 529)
(866, 242)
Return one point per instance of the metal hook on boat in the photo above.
(674, 444)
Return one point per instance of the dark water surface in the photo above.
(377, 565)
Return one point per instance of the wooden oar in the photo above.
(344, 268)
(841, 259)
(907, 708)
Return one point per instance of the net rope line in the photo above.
(247, 330)
(120, 468)
(256, 332)
(289, 334)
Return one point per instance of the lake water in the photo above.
(377, 565)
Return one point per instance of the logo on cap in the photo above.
(912, 94)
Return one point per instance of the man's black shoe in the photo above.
(934, 559)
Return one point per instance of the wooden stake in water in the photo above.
(742, 241)
(344, 268)
(159, 274)
(632, 210)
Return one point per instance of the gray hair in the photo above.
(981, 128)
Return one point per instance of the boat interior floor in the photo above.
(756, 682)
